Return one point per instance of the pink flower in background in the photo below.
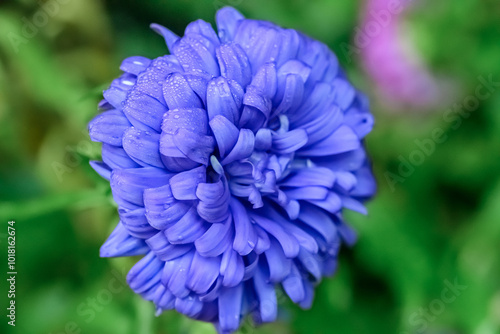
(399, 73)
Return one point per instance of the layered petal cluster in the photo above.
(231, 160)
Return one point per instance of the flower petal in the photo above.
(279, 265)
(192, 119)
(108, 127)
(215, 240)
(194, 146)
(245, 237)
(175, 273)
(184, 184)
(307, 193)
(314, 176)
(135, 65)
(136, 223)
(101, 168)
(141, 108)
(344, 93)
(200, 27)
(234, 63)
(121, 243)
(143, 147)
(291, 97)
(332, 203)
(189, 228)
(169, 36)
(189, 306)
(263, 241)
(287, 241)
(290, 141)
(162, 209)
(243, 147)
(164, 250)
(230, 301)
(319, 221)
(224, 97)
(293, 285)
(145, 273)
(129, 184)
(225, 132)
(115, 96)
(203, 273)
(341, 140)
(228, 20)
(232, 268)
(116, 158)
(164, 300)
(268, 303)
(196, 53)
(178, 94)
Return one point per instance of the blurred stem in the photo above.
(47, 204)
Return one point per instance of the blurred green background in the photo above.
(435, 227)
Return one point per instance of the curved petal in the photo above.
(341, 140)
(143, 147)
(129, 184)
(101, 168)
(230, 301)
(116, 158)
(192, 119)
(178, 94)
(319, 221)
(121, 243)
(162, 209)
(289, 141)
(234, 64)
(189, 228)
(287, 241)
(228, 20)
(169, 36)
(175, 273)
(314, 176)
(293, 285)
(224, 97)
(215, 240)
(145, 274)
(144, 109)
(194, 146)
(164, 250)
(332, 203)
(232, 268)
(135, 65)
(203, 273)
(268, 303)
(200, 27)
(109, 127)
(196, 53)
(245, 237)
(190, 306)
(184, 185)
(243, 147)
(136, 223)
(279, 266)
(225, 132)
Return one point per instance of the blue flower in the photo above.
(231, 160)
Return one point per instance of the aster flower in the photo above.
(231, 160)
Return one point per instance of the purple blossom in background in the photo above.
(231, 160)
(400, 75)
